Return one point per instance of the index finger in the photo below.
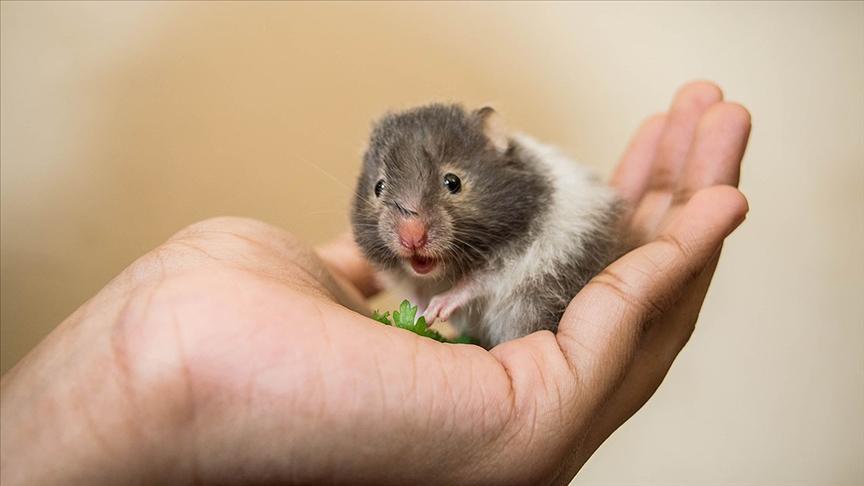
(632, 174)
(602, 326)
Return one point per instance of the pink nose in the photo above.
(412, 234)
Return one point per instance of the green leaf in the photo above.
(464, 339)
(421, 325)
(382, 318)
(404, 319)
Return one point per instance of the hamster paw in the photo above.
(439, 307)
(442, 306)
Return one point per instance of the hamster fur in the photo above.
(503, 254)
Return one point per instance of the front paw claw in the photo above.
(441, 306)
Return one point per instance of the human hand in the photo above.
(234, 353)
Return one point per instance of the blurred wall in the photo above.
(122, 122)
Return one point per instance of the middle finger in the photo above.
(690, 103)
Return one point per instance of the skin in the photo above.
(234, 353)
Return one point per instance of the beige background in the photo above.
(123, 122)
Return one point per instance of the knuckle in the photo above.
(675, 244)
(662, 178)
(682, 195)
(639, 302)
(683, 252)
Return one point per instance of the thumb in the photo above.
(601, 329)
(344, 257)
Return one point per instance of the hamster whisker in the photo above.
(484, 235)
(334, 179)
(477, 236)
(469, 245)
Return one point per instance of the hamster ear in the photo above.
(493, 128)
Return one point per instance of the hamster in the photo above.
(492, 231)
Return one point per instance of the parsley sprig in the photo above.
(404, 319)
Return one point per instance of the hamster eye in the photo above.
(452, 183)
(379, 186)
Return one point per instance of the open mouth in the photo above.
(422, 265)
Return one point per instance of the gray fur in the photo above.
(497, 231)
(408, 149)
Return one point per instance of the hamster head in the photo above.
(442, 191)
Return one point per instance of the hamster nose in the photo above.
(412, 234)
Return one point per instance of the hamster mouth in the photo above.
(422, 265)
